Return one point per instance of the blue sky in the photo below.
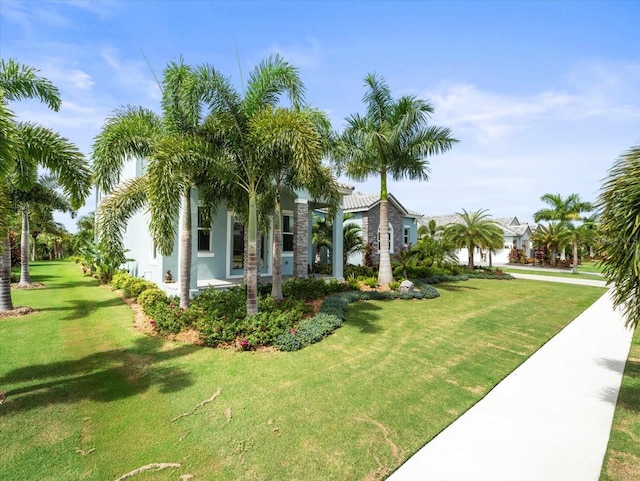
(543, 96)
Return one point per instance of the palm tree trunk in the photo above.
(471, 249)
(385, 274)
(5, 276)
(575, 256)
(25, 279)
(554, 254)
(276, 286)
(252, 265)
(490, 260)
(34, 242)
(185, 251)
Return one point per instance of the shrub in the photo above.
(215, 303)
(150, 297)
(316, 328)
(171, 318)
(118, 280)
(304, 288)
(134, 286)
(394, 285)
(263, 328)
(371, 282)
(320, 268)
(355, 271)
(288, 341)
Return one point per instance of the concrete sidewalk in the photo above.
(563, 280)
(548, 420)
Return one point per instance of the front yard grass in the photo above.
(622, 461)
(594, 276)
(90, 398)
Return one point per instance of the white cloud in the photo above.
(308, 55)
(131, 74)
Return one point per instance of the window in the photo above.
(204, 235)
(406, 236)
(287, 233)
(390, 238)
(153, 253)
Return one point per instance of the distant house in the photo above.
(515, 233)
(365, 208)
(218, 250)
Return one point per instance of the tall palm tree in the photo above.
(475, 229)
(553, 237)
(391, 140)
(39, 201)
(253, 130)
(296, 172)
(619, 208)
(563, 210)
(180, 157)
(33, 147)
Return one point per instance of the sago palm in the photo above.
(393, 139)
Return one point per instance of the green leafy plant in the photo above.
(371, 282)
(394, 285)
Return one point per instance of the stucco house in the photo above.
(365, 208)
(218, 250)
(516, 234)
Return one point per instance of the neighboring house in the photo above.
(403, 223)
(218, 250)
(515, 234)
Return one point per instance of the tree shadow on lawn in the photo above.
(363, 315)
(456, 287)
(104, 376)
(82, 308)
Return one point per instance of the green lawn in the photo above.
(80, 380)
(580, 275)
(622, 461)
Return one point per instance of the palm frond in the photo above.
(18, 81)
(127, 133)
(116, 209)
(269, 81)
(41, 146)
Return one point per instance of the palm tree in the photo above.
(322, 234)
(180, 156)
(475, 229)
(553, 237)
(619, 207)
(291, 171)
(39, 201)
(352, 242)
(391, 139)
(565, 211)
(25, 147)
(253, 130)
(431, 229)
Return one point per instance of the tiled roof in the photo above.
(359, 201)
(505, 223)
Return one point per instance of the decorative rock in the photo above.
(406, 286)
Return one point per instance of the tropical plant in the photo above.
(553, 237)
(293, 170)
(435, 251)
(565, 211)
(26, 147)
(321, 234)
(180, 156)
(619, 208)
(431, 230)
(352, 242)
(391, 140)
(39, 202)
(85, 233)
(475, 229)
(252, 130)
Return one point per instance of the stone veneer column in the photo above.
(300, 237)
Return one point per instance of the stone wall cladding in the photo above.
(300, 239)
